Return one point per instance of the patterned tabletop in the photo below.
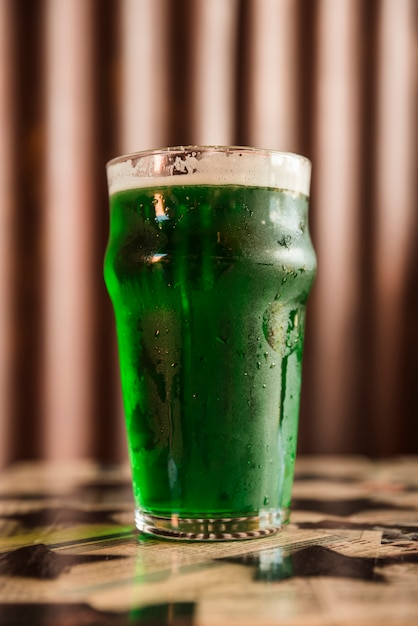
(69, 555)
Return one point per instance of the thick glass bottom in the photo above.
(267, 522)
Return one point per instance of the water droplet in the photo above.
(157, 333)
(221, 339)
(173, 364)
(285, 241)
(195, 395)
(266, 500)
(258, 365)
(266, 355)
(264, 386)
(272, 365)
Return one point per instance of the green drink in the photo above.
(209, 278)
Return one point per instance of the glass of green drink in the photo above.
(209, 266)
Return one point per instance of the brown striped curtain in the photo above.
(84, 80)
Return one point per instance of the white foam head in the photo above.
(210, 165)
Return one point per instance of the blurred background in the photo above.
(82, 81)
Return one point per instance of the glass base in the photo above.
(267, 522)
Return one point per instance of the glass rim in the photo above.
(210, 165)
(215, 148)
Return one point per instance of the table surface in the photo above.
(69, 554)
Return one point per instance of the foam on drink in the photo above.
(210, 166)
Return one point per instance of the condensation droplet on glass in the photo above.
(266, 500)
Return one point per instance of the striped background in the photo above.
(84, 80)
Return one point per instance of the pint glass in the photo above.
(209, 265)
